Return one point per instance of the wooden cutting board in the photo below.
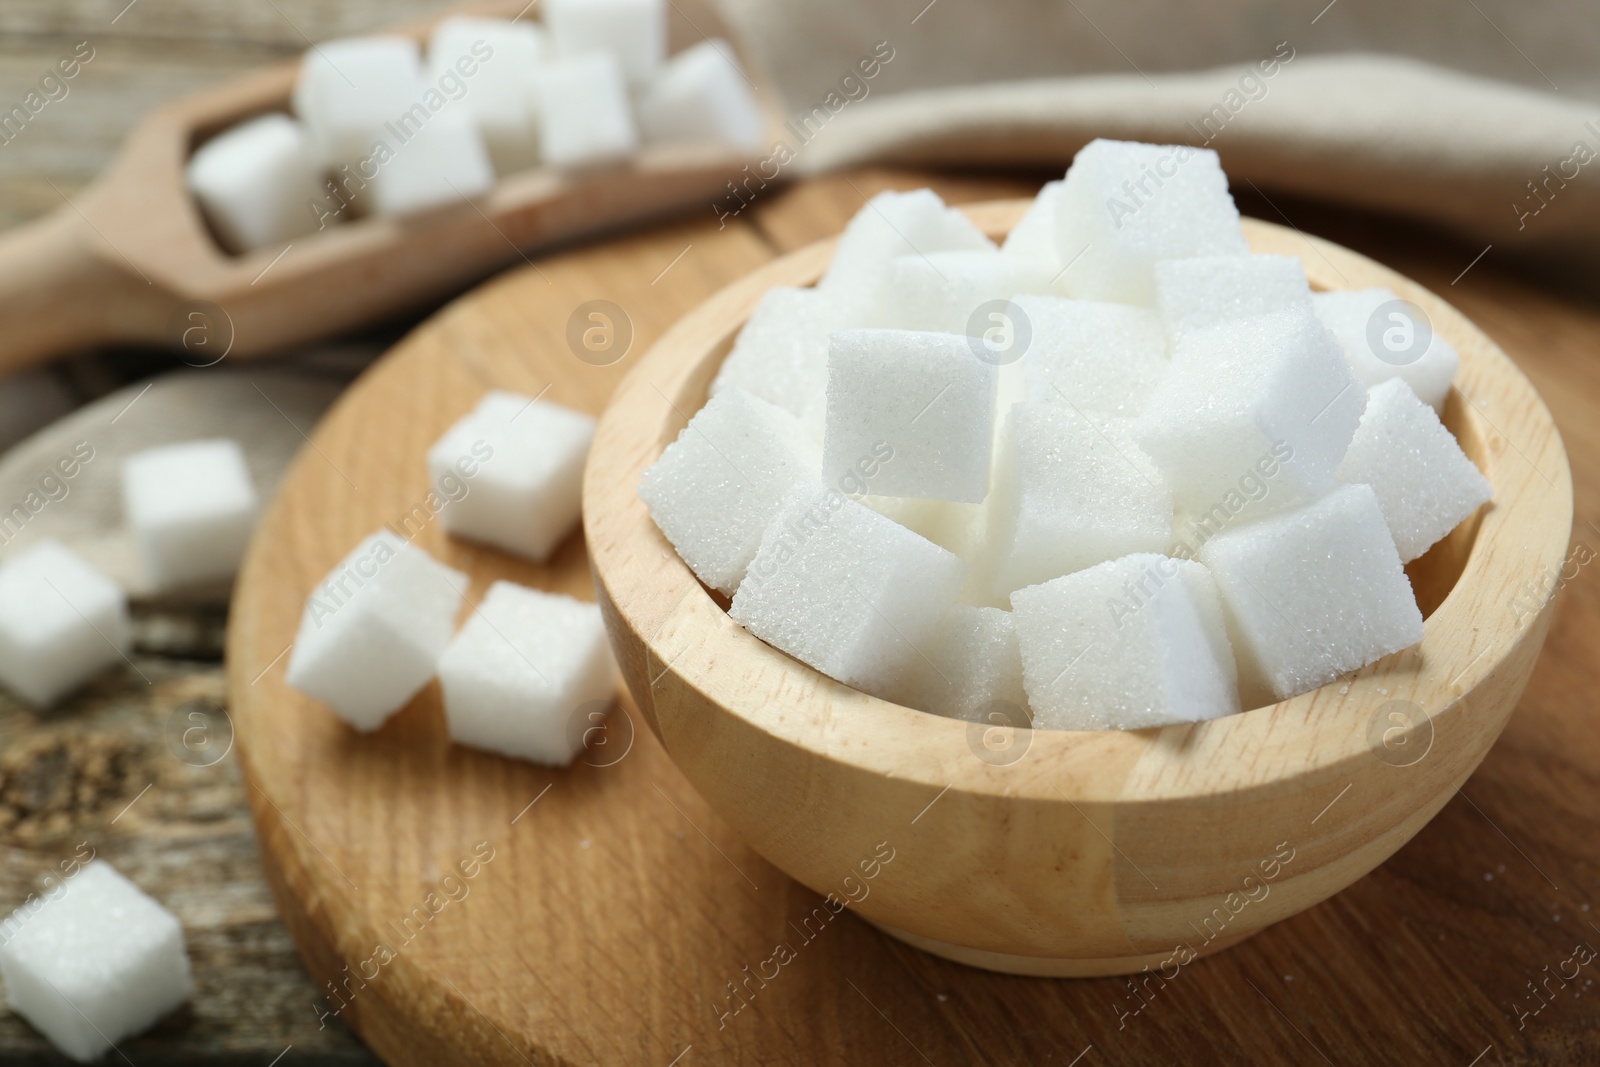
(468, 909)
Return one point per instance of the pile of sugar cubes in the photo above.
(189, 509)
(527, 668)
(1119, 471)
(379, 127)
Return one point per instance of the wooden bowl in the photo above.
(1083, 853)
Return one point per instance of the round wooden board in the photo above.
(609, 916)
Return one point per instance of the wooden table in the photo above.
(1427, 960)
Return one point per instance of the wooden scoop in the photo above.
(131, 259)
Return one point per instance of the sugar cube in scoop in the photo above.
(191, 508)
(585, 118)
(635, 31)
(702, 94)
(350, 88)
(1385, 337)
(440, 164)
(98, 961)
(496, 60)
(256, 182)
(61, 622)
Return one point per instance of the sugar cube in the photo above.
(1130, 643)
(96, 962)
(1124, 205)
(440, 163)
(1034, 235)
(584, 115)
(781, 354)
(1092, 355)
(1386, 337)
(717, 488)
(1425, 484)
(1248, 389)
(925, 398)
(635, 31)
(973, 668)
(838, 586)
(349, 89)
(372, 632)
(61, 622)
(1071, 490)
(191, 508)
(702, 94)
(255, 183)
(521, 669)
(517, 463)
(496, 59)
(948, 292)
(892, 225)
(1313, 592)
(1204, 290)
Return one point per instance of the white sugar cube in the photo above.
(781, 354)
(1247, 389)
(926, 396)
(350, 89)
(1092, 355)
(519, 465)
(1130, 643)
(716, 489)
(838, 586)
(973, 668)
(584, 115)
(256, 182)
(897, 224)
(635, 31)
(191, 508)
(953, 292)
(1425, 484)
(61, 622)
(442, 162)
(519, 676)
(1124, 205)
(372, 632)
(1071, 490)
(1313, 592)
(1385, 337)
(702, 94)
(1034, 235)
(96, 962)
(496, 60)
(1205, 290)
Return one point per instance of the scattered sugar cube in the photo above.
(584, 115)
(946, 291)
(98, 961)
(349, 89)
(892, 225)
(702, 94)
(635, 31)
(1071, 490)
(372, 632)
(1247, 389)
(1129, 643)
(926, 397)
(254, 183)
(716, 489)
(1425, 484)
(781, 354)
(441, 163)
(496, 59)
(520, 464)
(973, 667)
(1034, 235)
(1313, 592)
(1092, 355)
(1384, 337)
(840, 587)
(191, 508)
(61, 622)
(1205, 290)
(1124, 205)
(520, 670)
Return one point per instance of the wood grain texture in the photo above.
(620, 945)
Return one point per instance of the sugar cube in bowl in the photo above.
(1084, 852)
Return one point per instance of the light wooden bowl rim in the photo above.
(1523, 532)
